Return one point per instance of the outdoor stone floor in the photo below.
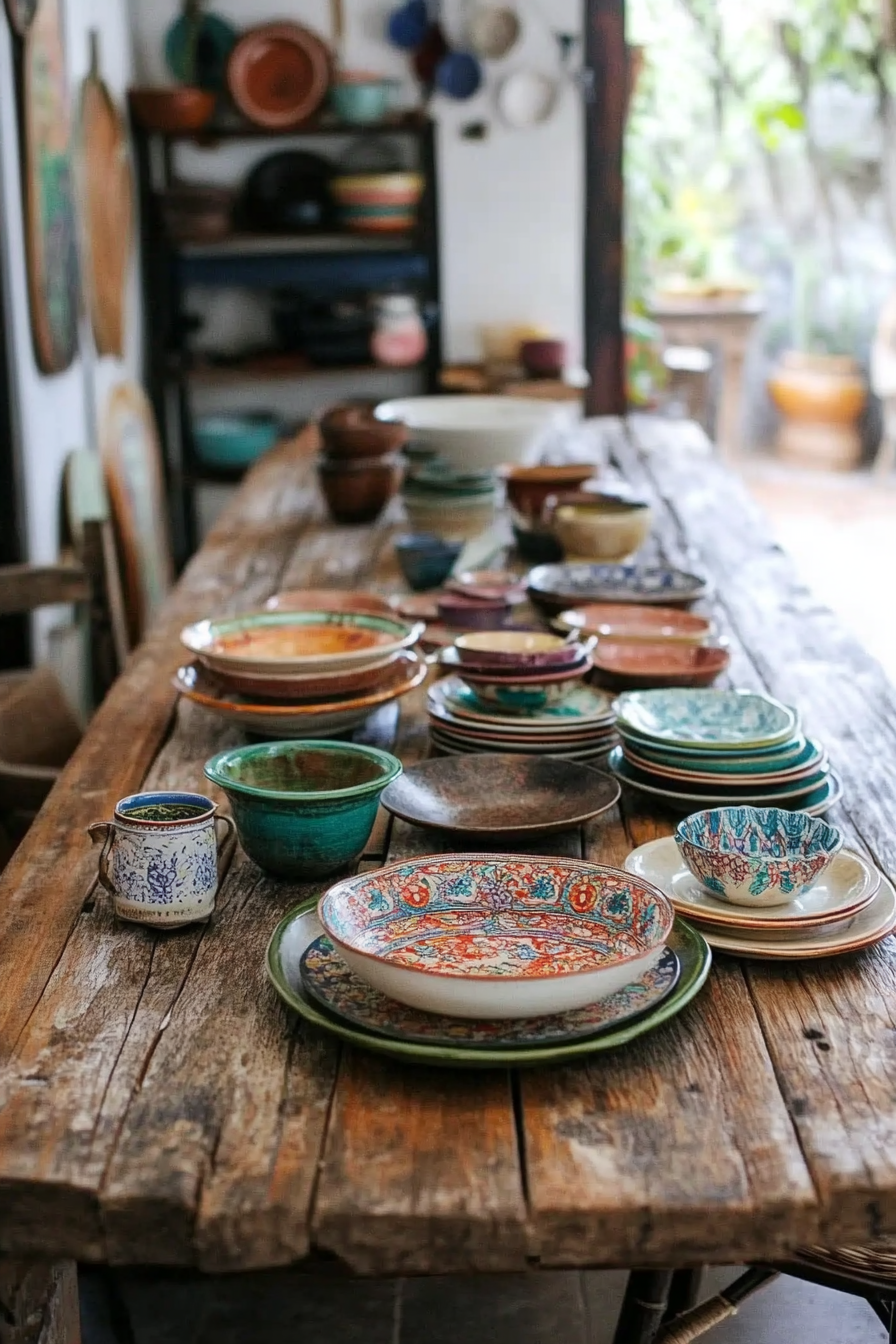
(558, 1308)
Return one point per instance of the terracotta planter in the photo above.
(820, 398)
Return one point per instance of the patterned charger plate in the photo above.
(328, 980)
(848, 886)
(301, 927)
(708, 719)
(617, 583)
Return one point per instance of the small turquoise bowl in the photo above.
(426, 560)
(303, 809)
(758, 856)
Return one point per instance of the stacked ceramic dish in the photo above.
(360, 467)
(377, 202)
(538, 708)
(455, 504)
(646, 646)
(484, 960)
(709, 748)
(554, 588)
(312, 673)
(769, 883)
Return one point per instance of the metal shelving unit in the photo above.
(327, 264)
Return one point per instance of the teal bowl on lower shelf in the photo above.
(303, 809)
(235, 440)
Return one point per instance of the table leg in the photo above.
(644, 1306)
(39, 1302)
(684, 1291)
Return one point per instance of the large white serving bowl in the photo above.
(497, 935)
(477, 431)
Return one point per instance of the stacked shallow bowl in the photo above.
(305, 674)
(769, 883)
(694, 749)
(475, 959)
(455, 504)
(519, 691)
(361, 466)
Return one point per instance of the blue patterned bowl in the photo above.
(756, 856)
(504, 936)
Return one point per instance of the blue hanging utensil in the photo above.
(407, 26)
(459, 75)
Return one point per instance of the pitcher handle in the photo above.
(95, 830)
(229, 829)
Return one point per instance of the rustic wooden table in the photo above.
(159, 1106)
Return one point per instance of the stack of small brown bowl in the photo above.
(361, 466)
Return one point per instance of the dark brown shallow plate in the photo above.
(496, 797)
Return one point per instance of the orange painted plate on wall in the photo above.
(278, 75)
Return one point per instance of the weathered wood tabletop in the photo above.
(159, 1105)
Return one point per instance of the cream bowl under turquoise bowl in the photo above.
(757, 856)
(303, 809)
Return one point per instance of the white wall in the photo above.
(56, 413)
(511, 206)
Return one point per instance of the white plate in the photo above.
(526, 98)
(845, 888)
(869, 926)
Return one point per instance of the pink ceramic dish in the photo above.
(519, 649)
(638, 664)
(467, 613)
(489, 585)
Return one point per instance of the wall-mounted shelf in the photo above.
(321, 267)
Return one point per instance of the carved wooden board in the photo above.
(158, 1105)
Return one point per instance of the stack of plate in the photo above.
(484, 960)
(850, 907)
(578, 728)
(286, 673)
(707, 748)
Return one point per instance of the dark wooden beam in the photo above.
(605, 107)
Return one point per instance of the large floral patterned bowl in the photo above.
(503, 936)
(757, 856)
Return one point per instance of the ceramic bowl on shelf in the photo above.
(756, 856)
(475, 431)
(475, 935)
(529, 488)
(325, 713)
(282, 643)
(518, 650)
(636, 665)
(360, 98)
(554, 588)
(357, 491)
(235, 440)
(377, 202)
(631, 623)
(169, 111)
(303, 809)
(426, 560)
(598, 527)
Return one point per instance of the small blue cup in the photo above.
(426, 560)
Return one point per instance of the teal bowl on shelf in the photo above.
(234, 440)
(303, 809)
(361, 100)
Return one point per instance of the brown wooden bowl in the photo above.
(358, 492)
(354, 432)
(172, 110)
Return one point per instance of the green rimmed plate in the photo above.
(301, 927)
(709, 720)
(791, 755)
(814, 796)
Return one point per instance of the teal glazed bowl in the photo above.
(303, 809)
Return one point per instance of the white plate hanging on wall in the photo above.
(526, 98)
(494, 31)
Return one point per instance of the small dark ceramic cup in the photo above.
(426, 560)
(160, 857)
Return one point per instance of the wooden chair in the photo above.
(660, 1306)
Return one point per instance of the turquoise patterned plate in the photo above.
(812, 795)
(791, 755)
(811, 760)
(709, 719)
(328, 980)
(301, 927)
(583, 707)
